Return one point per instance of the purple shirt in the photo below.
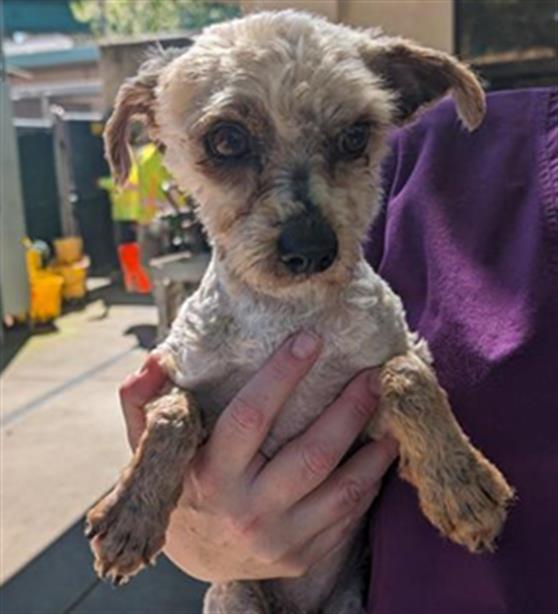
(469, 240)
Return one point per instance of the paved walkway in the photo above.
(63, 443)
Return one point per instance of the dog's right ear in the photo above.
(135, 99)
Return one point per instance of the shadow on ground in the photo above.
(110, 294)
(145, 334)
(15, 338)
(115, 294)
(61, 580)
(13, 341)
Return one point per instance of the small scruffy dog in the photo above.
(277, 123)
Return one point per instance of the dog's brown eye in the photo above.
(352, 141)
(228, 142)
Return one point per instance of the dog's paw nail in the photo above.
(104, 571)
(117, 580)
(90, 531)
(148, 557)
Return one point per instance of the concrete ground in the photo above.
(63, 444)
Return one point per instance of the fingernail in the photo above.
(154, 359)
(304, 345)
(374, 382)
(144, 368)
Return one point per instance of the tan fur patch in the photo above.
(460, 491)
(128, 526)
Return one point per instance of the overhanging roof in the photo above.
(77, 55)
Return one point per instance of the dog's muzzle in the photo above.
(307, 245)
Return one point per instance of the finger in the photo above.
(136, 391)
(142, 386)
(307, 460)
(358, 479)
(243, 426)
(326, 541)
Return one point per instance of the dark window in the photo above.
(512, 43)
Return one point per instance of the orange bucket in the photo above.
(75, 277)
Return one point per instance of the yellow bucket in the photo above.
(68, 249)
(34, 262)
(74, 276)
(46, 296)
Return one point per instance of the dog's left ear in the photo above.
(419, 76)
(135, 99)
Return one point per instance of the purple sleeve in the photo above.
(469, 240)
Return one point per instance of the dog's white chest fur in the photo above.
(219, 340)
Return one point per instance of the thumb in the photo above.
(136, 391)
(140, 387)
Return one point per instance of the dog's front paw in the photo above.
(468, 502)
(124, 536)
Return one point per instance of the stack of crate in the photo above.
(72, 265)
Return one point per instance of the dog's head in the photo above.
(276, 123)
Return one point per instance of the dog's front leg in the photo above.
(127, 527)
(460, 491)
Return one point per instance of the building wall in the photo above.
(34, 90)
(57, 74)
(35, 108)
(427, 21)
(120, 60)
(14, 289)
(329, 8)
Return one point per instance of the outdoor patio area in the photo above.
(63, 444)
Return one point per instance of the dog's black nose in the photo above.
(307, 244)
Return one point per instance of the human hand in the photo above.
(241, 516)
